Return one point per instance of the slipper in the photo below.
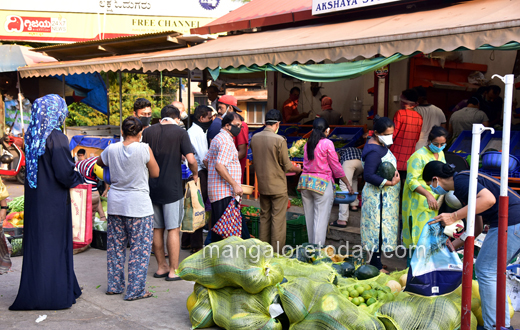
(187, 247)
(171, 279)
(336, 224)
(354, 208)
(109, 293)
(160, 275)
(146, 295)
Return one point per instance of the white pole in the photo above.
(509, 81)
(478, 129)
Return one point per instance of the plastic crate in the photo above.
(253, 225)
(494, 141)
(17, 245)
(296, 233)
(287, 130)
(350, 135)
(462, 145)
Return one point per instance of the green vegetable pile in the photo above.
(339, 144)
(16, 205)
(367, 294)
(296, 202)
(250, 211)
(16, 244)
(337, 188)
(297, 148)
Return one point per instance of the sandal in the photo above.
(354, 209)
(146, 295)
(336, 224)
(109, 293)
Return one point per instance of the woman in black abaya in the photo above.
(48, 280)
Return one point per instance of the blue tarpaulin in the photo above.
(91, 142)
(92, 86)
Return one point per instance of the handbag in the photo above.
(230, 223)
(194, 209)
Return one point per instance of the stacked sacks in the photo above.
(294, 270)
(238, 310)
(233, 262)
(321, 306)
(199, 307)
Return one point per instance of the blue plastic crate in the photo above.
(512, 174)
(495, 142)
(286, 130)
(350, 135)
(463, 143)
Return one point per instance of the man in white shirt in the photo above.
(213, 96)
(432, 116)
(199, 142)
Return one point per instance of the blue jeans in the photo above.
(486, 271)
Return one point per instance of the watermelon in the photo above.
(365, 272)
(348, 269)
(386, 170)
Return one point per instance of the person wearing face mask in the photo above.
(443, 178)
(380, 197)
(320, 166)
(419, 201)
(408, 125)
(224, 174)
(184, 115)
(271, 163)
(197, 134)
(130, 211)
(143, 111)
(170, 143)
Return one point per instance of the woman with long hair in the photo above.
(130, 210)
(320, 166)
(380, 198)
(419, 201)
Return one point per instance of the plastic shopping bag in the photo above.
(194, 209)
(434, 270)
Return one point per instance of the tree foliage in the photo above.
(133, 86)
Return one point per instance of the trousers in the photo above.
(353, 169)
(317, 209)
(273, 222)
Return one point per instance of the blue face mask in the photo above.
(438, 190)
(436, 149)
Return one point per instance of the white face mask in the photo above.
(386, 139)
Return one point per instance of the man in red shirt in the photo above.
(408, 125)
(229, 103)
(290, 108)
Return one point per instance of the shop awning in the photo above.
(112, 63)
(468, 24)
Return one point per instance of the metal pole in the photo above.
(161, 90)
(63, 85)
(469, 244)
(180, 89)
(119, 79)
(189, 98)
(107, 81)
(503, 204)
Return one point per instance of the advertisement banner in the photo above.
(75, 27)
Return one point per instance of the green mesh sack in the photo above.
(233, 262)
(416, 312)
(294, 269)
(199, 307)
(235, 309)
(321, 306)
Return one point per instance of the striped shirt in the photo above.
(222, 151)
(86, 169)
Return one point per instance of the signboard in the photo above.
(60, 21)
(177, 8)
(330, 6)
(74, 27)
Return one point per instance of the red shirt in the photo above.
(408, 124)
(290, 108)
(242, 138)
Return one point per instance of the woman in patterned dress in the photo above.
(380, 201)
(419, 202)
